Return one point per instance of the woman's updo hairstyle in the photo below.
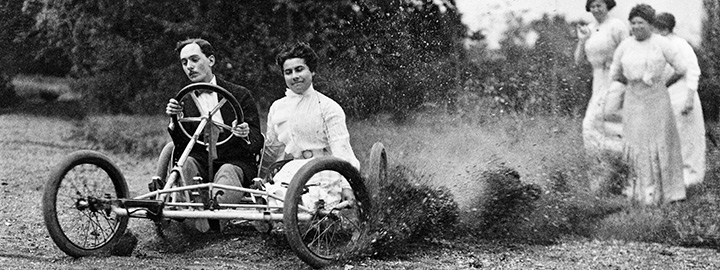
(643, 11)
(298, 50)
(609, 3)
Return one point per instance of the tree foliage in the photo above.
(538, 76)
(377, 53)
(708, 58)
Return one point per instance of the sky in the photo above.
(488, 15)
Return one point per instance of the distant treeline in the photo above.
(378, 56)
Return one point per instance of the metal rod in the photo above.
(220, 214)
(191, 143)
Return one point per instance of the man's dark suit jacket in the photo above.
(236, 151)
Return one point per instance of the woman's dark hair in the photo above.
(609, 3)
(643, 11)
(205, 46)
(298, 50)
(665, 21)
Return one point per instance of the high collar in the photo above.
(290, 93)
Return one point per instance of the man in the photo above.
(237, 158)
(686, 104)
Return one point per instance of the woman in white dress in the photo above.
(602, 126)
(686, 104)
(651, 140)
(306, 124)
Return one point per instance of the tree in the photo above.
(540, 76)
(12, 26)
(122, 50)
(709, 61)
(398, 55)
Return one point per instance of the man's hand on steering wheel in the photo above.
(173, 108)
(241, 130)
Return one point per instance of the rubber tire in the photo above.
(294, 197)
(50, 199)
(164, 163)
(376, 170)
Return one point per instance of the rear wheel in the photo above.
(319, 236)
(376, 170)
(76, 204)
(165, 164)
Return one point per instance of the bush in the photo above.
(406, 211)
(504, 203)
(541, 78)
(142, 137)
(8, 97)
(366, 89)
(521, 212)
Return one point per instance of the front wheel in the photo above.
(76, 204)
(317, 235)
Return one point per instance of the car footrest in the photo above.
(154, 207)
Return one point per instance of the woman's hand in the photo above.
(583, 32)
(689, 104)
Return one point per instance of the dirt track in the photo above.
(30, 146)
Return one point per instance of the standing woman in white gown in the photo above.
(686, 104)
(651, 143)
(602, 126)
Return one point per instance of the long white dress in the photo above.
(691, 127)
(651, 140)
(602, 125)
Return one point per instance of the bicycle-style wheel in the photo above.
(375, 173)
(317, 235)
(76, 204)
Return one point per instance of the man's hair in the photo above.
(298, 50)
(644, 11)
(664, 21)
(609, 3)
(205, 46)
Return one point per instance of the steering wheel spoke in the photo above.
(219, 105)
(196, 101)
(222, 125)
(190, 119)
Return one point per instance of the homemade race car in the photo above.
(87, 204)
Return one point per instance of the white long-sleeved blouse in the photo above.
(311, 121)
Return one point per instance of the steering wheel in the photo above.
(226, 96)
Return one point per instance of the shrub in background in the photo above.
(539, 77)
(368, 89)
(8, 97)
(116, 49)
(139, 136)
(406, 211)
(522, 212)
(505, 200)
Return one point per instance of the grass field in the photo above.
(447, 151)
(437, 149)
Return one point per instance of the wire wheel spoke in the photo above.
(84, 225)
(330, 236)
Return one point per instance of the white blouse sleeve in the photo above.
(273, 147)
(338, 135)
(616, 69)
(620, 32)
(693, 68)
